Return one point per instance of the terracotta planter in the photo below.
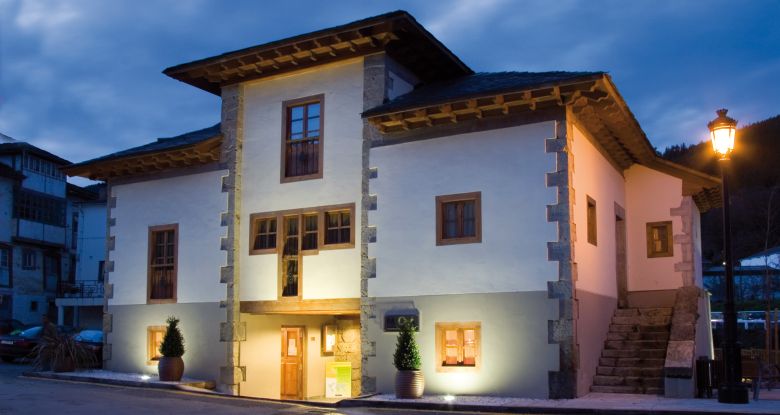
(64, 365)
(170, 369)
(409, 384)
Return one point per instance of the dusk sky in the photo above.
(83, 78)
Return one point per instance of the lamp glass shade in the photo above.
(723, 140)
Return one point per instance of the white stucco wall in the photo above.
(331, 273)
(195, 203)
(508, 166)
(651, 194)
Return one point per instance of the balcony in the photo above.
(79, 293)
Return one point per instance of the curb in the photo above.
(445, 407)
(119, 382)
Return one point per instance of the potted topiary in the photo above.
(409, 381)
(171, 366)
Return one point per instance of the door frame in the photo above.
(302, 355)
(621, 256)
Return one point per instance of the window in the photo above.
(100, 276)
(38, 207)
(161, 285)
(293, 233)
(74, 231)
(302, 139)
(591, 208)
(659, 239)
(41, 166)
(459, 218)
(33, 306)
(264, 230)
(29, 259)
(5, 266)
(338, 228)
(458, 346)
(51, 271)
(154, 337)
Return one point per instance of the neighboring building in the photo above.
(80, 296)
(362, 173)
(750, 278)
(37, 252)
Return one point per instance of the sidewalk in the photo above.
(126, 379)
(601, 403)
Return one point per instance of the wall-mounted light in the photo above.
(328, 339)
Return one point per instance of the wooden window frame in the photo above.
(651, 253)
(175, 278)
(591, 224)
(286, 105)
(459, 197)
(152, 348)
(440, 353)
(254, 220)
(280, 229)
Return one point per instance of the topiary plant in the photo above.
(173, 343)
(407, 354)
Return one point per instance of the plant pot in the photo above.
(409, 384)
(64, 365)
(170, 369)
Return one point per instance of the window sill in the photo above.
(459, 369)
(337, 246)
(301, 178)
(457, 241)
(161, 301)
(262, 251)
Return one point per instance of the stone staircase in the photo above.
(634, 353)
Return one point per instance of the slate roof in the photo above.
(162, 144)
(17, 147)
(477, 85)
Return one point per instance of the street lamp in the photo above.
(732, 390)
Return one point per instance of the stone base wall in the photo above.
(348, 349)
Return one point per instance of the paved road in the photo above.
(20, 396)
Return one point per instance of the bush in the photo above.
(407, 354)
(173, 343)
(62, 353)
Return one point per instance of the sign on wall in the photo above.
(338, 379)
(394, 319)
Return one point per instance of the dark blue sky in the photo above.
(83, 78)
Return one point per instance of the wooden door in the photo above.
(292, 363)
(621, 271)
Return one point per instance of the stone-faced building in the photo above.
(364, 173)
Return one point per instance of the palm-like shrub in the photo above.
(407, 354)
(62, 354)
(173, 342)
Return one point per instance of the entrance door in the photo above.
(621, 270)
(292, 363)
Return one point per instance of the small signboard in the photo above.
(394, 319)
(338, 379)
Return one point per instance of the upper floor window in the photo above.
(45, 167)
(38, 207)
(302, 139)
(264, 231)
(459, 218)
(659, 239)
(29, 259)
(163, 256)
(338, 227)
(591, 213)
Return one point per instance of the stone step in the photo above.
(627, 389)
(631, 362)
(638, 335)
(637, 381)
(630, 312)
(646, 353)
(651, 372)
(643, 320)
(634, 344)
(638, 328)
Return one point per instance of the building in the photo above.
(364, 173)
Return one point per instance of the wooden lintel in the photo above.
(335, 306)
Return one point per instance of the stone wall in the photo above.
(348, 349)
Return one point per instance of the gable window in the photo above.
(5, 266)
(591, 212)
(659, 239)
(154, 337)
(302, 139)
(29, 259)
(459, 218)
(163, 252)
(458, 346)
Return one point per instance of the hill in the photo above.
(755, 189)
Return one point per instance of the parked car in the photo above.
(9, 326)
(14, 346)
(93, 341)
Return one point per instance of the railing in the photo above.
(80, 289)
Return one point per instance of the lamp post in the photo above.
(732, 390)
